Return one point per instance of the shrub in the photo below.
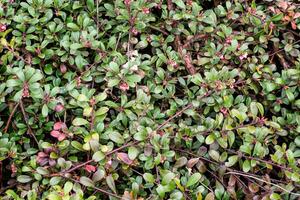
(159, 99)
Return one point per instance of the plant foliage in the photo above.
(149, 99)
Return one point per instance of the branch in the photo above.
(76, 167)
(194, 38)
(158, 29)
(26, 121)
(261, 180)
(186, 57)
(258, 159)
(99, 189)
(10, 117)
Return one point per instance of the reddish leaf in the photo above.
(294, 25)
(90, 168)
(124, 158)
(59, 125)
(59, 108)
(124, 86)
(61, 137)
(55, 134)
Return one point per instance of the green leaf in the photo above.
(231, 161)
(132, 153)
(290, 95)
(90, 5)
(253, 109)
(36, 77)
(73, 26)
(68, 187)
(98, 156)
(210, 139)
(179, 3)
(101, 111)
(75, 46)
(114, 67)
(24, 178)
(113, 82)
(277, 17)
(55, 180)
(13, 83)
(45, 110)
(12, 194)
(246, 166)
(111, 183)
(193, 179)
(149, 178)
(79, 122)
(116, 137)
(42, 171)
(86, 181)
(133, 79)
(214, 154)
(288, 47)
(210, 17)
(203, 61)
(98, 175)
(167, 178)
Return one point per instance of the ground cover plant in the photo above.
(149, 99)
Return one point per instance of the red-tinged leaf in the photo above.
(59, 125)
(55, 134)
(297, 15)
(192, 162)
(90, 168)
(124, 158)
(61, 137)
(294, 25)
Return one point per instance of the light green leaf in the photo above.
(179, 3)
(79, 122)
(86, 181)
(232, 160)
(132, 153)
(116, 137)
(149, 178)
(98, 156)
(111, 183)
(193, 179)
(24, 179)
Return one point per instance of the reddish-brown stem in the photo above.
(258, 159)
(26, 121)
(76, 167)
(194, 38)
(10, 117)
(187, 58)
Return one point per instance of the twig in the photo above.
(170, 5)
(218, 164)
(187, 58)
(261, 180)
(76, 167)
(158, 29)
(283, 49)
(117, 44)
(195, 37)
(26, 121)
(98, 189)
(97, 10)
(196, 156)
(258, 159)
(10, 117)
